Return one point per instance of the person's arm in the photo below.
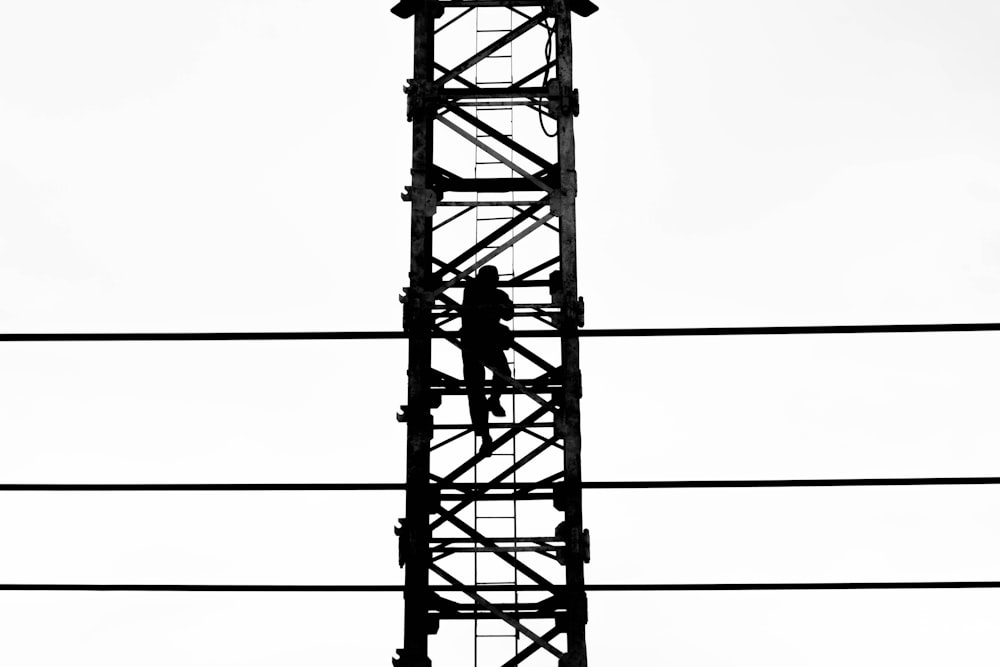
(506, 306)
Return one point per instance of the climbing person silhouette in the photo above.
(484, 340)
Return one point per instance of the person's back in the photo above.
(483, 306)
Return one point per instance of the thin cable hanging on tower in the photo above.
(545, 76)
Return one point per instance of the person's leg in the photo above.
(497, 360)
(475, 376)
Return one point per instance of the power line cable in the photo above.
(542, 333)
(468, 486)
(397, 588)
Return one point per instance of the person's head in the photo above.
(488, 275)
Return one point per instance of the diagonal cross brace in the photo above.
(531, 650)
(499, 613)
(536, 20)
(524, 173)
(493, 132)
(514, 430)
(516, 563)
(520, 463)
(499, 250)
(527, 213)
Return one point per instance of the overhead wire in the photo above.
(474, 487)
(521, 333)
(390, 335)
(398, 588)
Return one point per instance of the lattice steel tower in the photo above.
(493, 534)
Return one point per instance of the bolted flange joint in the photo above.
(403, 532)
(422, 97)
(424, 200)
(563, 101)
(417, 304)
(577, 544)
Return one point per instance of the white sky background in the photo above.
(224, 165)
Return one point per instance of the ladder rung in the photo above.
(496, 583)
(465, 427)
(522, 538)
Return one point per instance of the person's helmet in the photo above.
(488, 275)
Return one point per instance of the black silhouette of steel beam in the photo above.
(484, 243)
(493, 3)
(517, 564)
(492, 48)
(523, 425)
(530, 650)
(477, 93)
(497, 482)
(419, 598)
(500, 137)
(497, 612)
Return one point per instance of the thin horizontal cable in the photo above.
(355, 486)
(787, 330)
(205, 588)
(224, 336)
(468, 486)
(819, 586)
(541, 333)
(363, 588)
(777, 483)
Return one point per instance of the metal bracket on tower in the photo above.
(421, 97)
(424, 199)
(562, 100)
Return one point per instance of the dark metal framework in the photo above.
(466, 539)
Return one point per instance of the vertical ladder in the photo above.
(495, 518)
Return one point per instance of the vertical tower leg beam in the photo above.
(576, 617)
(418, 321)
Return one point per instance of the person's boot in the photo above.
(495, 408)
(486, 444)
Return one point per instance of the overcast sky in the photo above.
(236, 165)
